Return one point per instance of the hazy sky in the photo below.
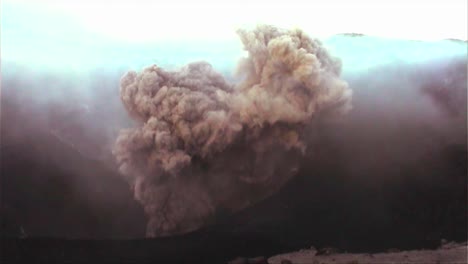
(78, 35)
(145, 20)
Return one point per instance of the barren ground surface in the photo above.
(449, 253)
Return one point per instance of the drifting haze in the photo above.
(409, 102)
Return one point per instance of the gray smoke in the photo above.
(204, 144)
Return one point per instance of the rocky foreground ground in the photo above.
(452, 253)
(449, 253)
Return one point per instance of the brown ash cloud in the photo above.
(203, 144)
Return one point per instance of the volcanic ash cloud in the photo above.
(205, 145)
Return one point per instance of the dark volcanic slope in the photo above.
(50, 189)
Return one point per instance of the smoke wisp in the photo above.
(204, 145)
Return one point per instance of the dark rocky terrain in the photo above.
(453, 253)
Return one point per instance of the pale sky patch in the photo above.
(146, 21)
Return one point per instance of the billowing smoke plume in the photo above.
(205, 145)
